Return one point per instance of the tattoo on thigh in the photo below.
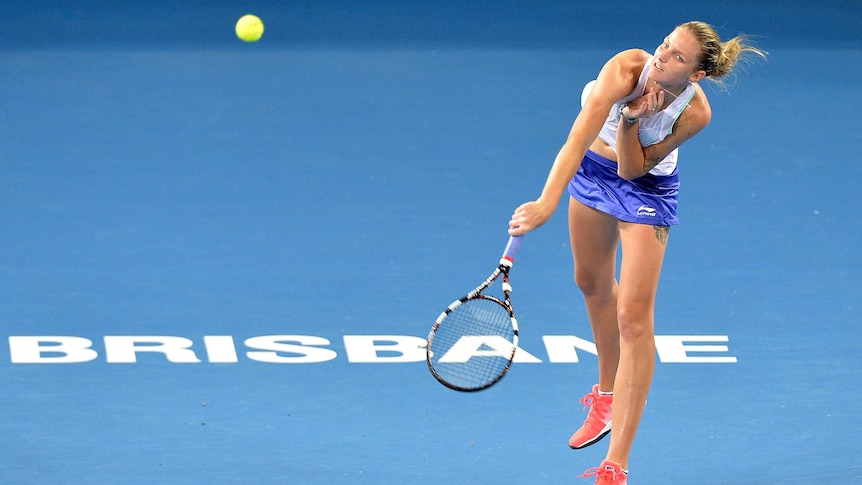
(661, 233)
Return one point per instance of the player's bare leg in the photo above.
(595, 237)
(643, 250)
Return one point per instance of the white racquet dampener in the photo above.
(472, 343)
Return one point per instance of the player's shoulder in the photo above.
(696, 115)
(630, 60)
(626, 66)
(619, 76)
(699, 110)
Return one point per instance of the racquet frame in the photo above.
(502, 270)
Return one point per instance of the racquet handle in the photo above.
(512, 247)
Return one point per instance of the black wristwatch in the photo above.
(622, 116)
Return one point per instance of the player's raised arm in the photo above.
(615, 80)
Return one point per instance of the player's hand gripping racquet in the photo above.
(473, 342)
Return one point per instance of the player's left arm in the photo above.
(635, 161)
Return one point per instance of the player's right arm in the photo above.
(615, 81)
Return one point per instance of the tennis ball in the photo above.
(249, 28)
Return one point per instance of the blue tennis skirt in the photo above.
(650, 199)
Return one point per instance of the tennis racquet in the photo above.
(472, 343)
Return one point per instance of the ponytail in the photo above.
(718, 58)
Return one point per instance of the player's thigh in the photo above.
(594, 236)
(643, 255)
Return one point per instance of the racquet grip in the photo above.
(512, 247)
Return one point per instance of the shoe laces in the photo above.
(604, 476)
(589, 399)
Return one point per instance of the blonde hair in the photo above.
(717, 58)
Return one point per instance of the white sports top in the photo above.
(651, 130)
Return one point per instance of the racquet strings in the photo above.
(472, 347)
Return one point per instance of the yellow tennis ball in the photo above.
(249, 28)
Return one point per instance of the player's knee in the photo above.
(592, 284)
(636, 323)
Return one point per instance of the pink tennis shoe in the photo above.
(598, 422)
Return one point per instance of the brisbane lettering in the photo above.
(311, 349)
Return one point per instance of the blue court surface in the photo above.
(218, 259)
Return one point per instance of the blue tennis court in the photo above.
(218, 260)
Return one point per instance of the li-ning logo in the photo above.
(646, 211)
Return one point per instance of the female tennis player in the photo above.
(619, 165)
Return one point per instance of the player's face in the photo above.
(676, 58)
